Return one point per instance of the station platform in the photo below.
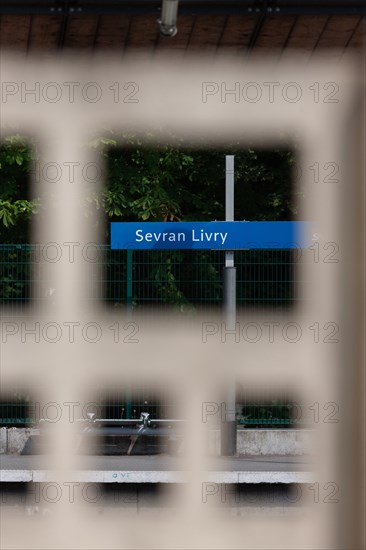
(161, 469)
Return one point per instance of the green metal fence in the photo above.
(151, 281)
(16, 409)
(265, 408)
(187, 279)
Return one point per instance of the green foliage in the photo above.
(16, 208)
(142, 182)
(151, 181)
(10, 211)
(16, 154)
(161, 182)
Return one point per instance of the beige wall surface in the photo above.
(74, 100)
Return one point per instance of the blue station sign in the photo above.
(210, 235)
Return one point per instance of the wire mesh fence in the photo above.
(17, 408)
(187, 279)
(150, 281)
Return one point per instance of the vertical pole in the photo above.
(228, 416)
(128, 403)
(129, 284)
(129, 317)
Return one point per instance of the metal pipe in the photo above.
(228, 419)
(168, 20)
(128, 431)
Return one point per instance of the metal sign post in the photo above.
(228, 414)
(226, 235)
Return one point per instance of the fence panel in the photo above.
(151, 281)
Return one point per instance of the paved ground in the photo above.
(162, 469)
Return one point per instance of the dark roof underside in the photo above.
(242, 27)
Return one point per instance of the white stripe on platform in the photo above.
(155, 476)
